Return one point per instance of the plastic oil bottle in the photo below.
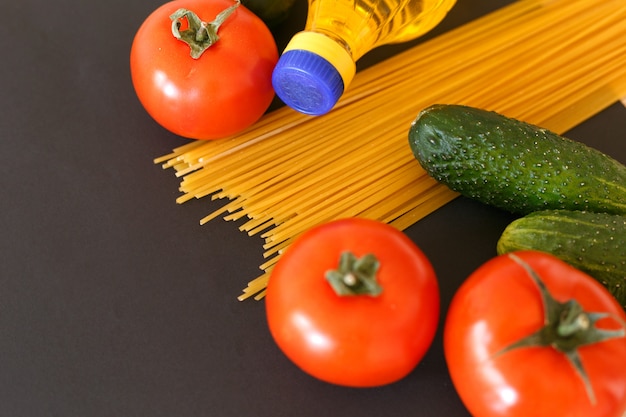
(319, 63)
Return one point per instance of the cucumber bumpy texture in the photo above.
(514, 165)
(592, 242)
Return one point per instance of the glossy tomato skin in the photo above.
(498, 305)
(356, 341)
(224, 91)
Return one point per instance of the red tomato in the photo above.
(499, 305)
(224, 91)
(353, 340)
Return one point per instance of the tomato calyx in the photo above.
(567, 327)
(199, 35)
(355, 276)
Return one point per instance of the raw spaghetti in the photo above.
(553, 63)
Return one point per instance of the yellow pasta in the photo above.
(553, 63)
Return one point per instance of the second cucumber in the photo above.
(591, 242)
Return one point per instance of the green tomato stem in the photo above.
(567, 327)
(199, 35)
(573, 319)
(355, 276)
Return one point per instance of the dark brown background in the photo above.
(113, 300)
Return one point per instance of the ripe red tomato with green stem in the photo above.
(353, 302)
(528, 335)
(202, 68)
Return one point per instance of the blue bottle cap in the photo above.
(307, 82)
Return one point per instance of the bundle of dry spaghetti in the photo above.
(553, 63)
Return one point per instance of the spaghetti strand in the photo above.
(554, 63)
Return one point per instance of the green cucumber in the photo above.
(514, 165)
(592, 242)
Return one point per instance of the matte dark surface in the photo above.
(113, 300)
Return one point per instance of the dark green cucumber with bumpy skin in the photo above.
(514, 165)
(592, 242)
